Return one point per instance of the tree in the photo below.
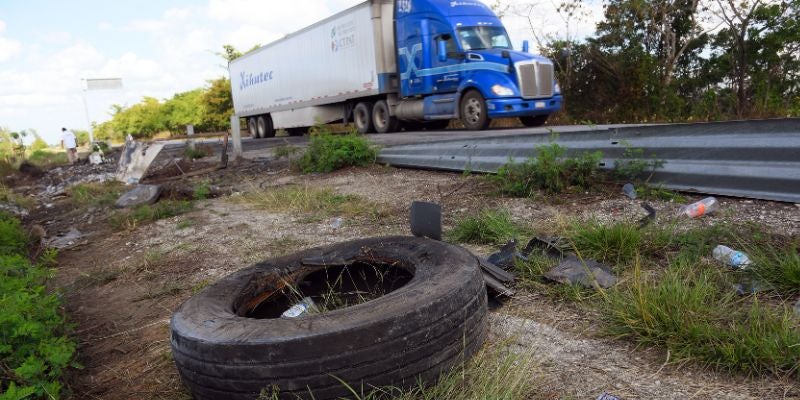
(218, 103)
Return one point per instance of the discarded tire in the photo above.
(433, 322)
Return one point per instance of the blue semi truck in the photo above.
(387, 65)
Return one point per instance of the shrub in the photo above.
(549, 171)
(285, 151)
(487, 227)
(327, 152)
(633, 165)
(34, 350)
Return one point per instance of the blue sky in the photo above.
(158, 48)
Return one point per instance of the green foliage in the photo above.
(130, 219)
(616, 244)
(34, 350)
(194, 153)
(315, 201)
(47, 159)
(776, 266)
(328, 152)
(202, 190)
(653, 61)
(634, 166)
(487, 227)
(549, 170)
(686, 312)
(141, 120)
(217, 104)
(650, 192)
(285, 151)
(94, 194)
(183, 109)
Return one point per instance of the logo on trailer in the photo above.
(250, 79)
(343, 36)
(404, 6)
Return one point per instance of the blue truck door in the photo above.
(446, 74)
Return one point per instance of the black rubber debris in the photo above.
(426, 220)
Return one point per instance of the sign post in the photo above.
(97, 84)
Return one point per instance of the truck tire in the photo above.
(384, 123)
(538, 120)
(436, 321)
(251, 127)
(269, 128)
(473, 111)
(362, 118)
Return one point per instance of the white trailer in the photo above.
(352, 56)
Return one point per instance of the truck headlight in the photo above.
(501, 90)
(557, 88)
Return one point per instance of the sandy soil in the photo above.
(121, 287)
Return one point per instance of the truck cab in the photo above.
(455, 61)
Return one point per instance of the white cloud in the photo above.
(9, 48)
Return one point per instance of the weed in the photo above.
(633, 165)
(780, 268)
(487, 227)
(197, 287)
(686, 312)
(94, 194)
(185, 223)
(617, 243)
(194, 153)
(285, 151)
(47, 159)
(495, 372)
(202, 190)
(7, 195)
(327, 152)
(549, 171)
(318, 202)
(130, 219)
(649, 192)
(34, 350)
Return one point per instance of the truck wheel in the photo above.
(418, 330)
(538, 120)
(362, 117)
(264, 128)
(251, 127)
(384, 123)
(473, 111)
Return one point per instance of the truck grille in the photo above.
(535, 79)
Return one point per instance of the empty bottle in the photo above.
(305, 306)
(700, 208)
(731, 257)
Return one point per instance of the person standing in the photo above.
(68, 142)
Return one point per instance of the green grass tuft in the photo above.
(130, 219)
(549, 170)
(487, 227)
(617, 243)
(95, 194)
(314, 202)
(687, 312)
(328, 152)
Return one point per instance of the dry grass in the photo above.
(315, 203)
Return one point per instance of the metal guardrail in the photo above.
(756, 159)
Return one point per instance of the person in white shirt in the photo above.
(68, 142)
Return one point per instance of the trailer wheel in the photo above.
(473, 111)
(264, 127)
(251, 127)
(384, 123)
(362, 117)
(538, 120)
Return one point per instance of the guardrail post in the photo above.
(236, 131)
(190, 133)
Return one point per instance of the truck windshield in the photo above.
(483, 37)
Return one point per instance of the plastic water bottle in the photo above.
(702, 207)
(731, 257)
(305, 306)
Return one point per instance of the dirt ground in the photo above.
(121, 287)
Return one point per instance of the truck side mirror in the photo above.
(525, 46)
(442, 50)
